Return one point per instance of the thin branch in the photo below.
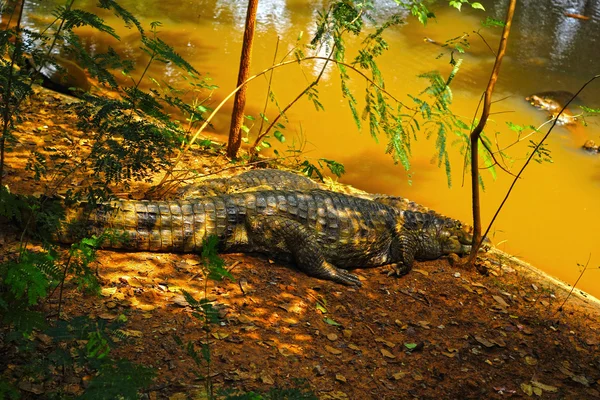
(250, 79)
(575, 284)
(533, 153)
(314, 83)
(486, 43)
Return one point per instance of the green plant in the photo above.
(212, 268)
(131, 136)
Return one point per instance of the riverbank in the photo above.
(438, 332)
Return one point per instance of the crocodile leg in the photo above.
(277, 234)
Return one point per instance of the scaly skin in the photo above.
(265, 179)
(325, 232)
(275, 179)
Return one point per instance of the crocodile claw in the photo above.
(346, 278)
(397, 269)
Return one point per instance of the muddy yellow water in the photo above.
(553, 217)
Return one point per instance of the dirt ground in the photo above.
(440, 332)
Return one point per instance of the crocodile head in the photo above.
(454, 237)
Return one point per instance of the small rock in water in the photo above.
(591, 147)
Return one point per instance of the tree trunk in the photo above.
(237, 115)
(476, 133)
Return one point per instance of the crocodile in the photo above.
(325, 233)
(276, 179)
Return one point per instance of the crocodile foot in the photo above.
(342, 276)
(397, 269)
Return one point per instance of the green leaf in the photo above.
(478, 6)
(410, 346)
(331, 322)
(279, 136)
(321, 308)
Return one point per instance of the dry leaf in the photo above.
(527, 389)
(399, 375)
(340, 377)
(500, 301)
(333, 350)
(132, 333)
(484, 341)
(264, 378)
(347, 333)
(420, 271)
(530, 360)
(353, 347)
(385, 342)
(417, 376)
(424, 324)
(109, 291)
(219, 335)
(542, 386)
(332, 336)
(387, 354)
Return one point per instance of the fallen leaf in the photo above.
(580, 379)
(340, 377)
(527, 389)
(353, 347)
(332, 336)
(132, 333)
(484, 341)
(385, 342)
(386, 353)
(417, 376)
(424, 324)
(333, 350)
(338, 395)
(420, 271)
(331, 322)
(500, 301)
(219, 335)
(468, 288)
(109, 291)
(542, 386)
(399, 375)
(264, 378)
(107, 316)
(530, 361)
(537, 391)
(180, 301)
(244, 319)
(347, 333)
(410, 346)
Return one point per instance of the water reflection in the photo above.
(270, 14)
(544, 36)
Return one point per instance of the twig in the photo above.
(423, 300)
(533, 153)
(573, 287)
(250, 79)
